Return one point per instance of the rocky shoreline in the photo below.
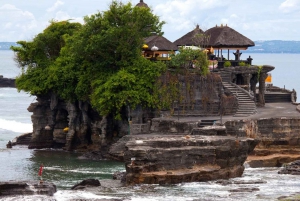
(7, 82)
(13, 188)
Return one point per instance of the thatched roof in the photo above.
(225, 37)
(142, 4)
(161, 42)
(193, 38)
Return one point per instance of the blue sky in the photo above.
(256, 19)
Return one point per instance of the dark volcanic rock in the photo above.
(7, 82)
(227, 182)
(26, 188)
(244, 190)
(9, 145)
(292, 168)
(23, 139)
(86, 183)
(93, 155)
(120, 176)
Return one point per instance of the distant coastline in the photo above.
(261, 46)
(7, 45)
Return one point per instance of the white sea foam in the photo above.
(77, 195)
(15, 126)
(82, 171)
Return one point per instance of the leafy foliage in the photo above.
(99, 62)
(35, 57)
(188, 58)
(242, 63)
(227, 64)
(129, 86)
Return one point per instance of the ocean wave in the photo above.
(78, 195)
(15, 126)
(81, 171)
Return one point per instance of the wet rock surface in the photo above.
(23, 139)
(86, 183)
(244, 190)
(12, 188)
(93, 155)
(292, 168)
(120, 176)
(227, 182)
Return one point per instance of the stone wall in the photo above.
(198, 95)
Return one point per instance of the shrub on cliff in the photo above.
(188, 58)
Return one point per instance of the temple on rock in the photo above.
(162, 145)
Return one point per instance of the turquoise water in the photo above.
(65, 169)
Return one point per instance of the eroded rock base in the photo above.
(171, 159)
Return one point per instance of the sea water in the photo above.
(65, 169)
(287, 69)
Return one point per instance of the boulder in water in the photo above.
(9, 145)
(86, 183)
(26, 188)
(291, 168)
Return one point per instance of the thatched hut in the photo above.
(195, 37)
(224, 37)
(142, 4)
(158, 48)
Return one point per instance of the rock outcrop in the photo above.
(26, 188)
(292, 168)
(86, 183)
(179, 158)
(76, 125)
(279, 140)
(193, 154)
(23, 139)
(7, 82)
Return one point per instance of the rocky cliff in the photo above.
(279, 139)
(175, 159)
(72, 125)
(13, 188)
(182, 152)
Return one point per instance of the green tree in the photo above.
(188, 58)
(100, 62)
(36, 56)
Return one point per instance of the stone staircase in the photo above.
(246, 105)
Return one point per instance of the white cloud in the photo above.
(55, 6)
(183, 15)
(60, 16)
(290, 6)
(16, 22)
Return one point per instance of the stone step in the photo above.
(246, 105)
